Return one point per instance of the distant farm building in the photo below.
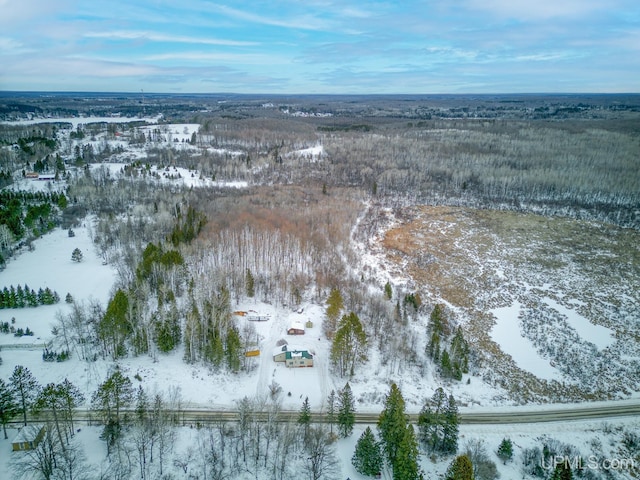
(296, 328)
(27, 439)
(47, 176)
(293, 357)
(252, 316)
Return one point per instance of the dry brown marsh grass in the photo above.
(478, 260)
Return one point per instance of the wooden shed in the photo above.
(28, 438)
(296, 328)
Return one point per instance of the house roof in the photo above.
(285, 348)
(27, 434)
(299, 354)
(297, 326)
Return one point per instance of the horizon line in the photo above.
(350, 94)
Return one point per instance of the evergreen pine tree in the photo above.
(436, 319)
(459, 354)
(115, 393)
(388, 292)
(8, 405)
(304, 417)
(562, 472)
(445, 363)
(335, 304)
(405, 466)
(392, 423)
(217, 349)
(32, 298)
(346, 411)
(505, 450)
(20, 300)
(233, 349)
(450, 433)
(431, 421)
(349, 345)
(25, 389)
(12, 297)
(460, 468)
(142, 405)
(76, 255)
(367, 457)
(114, 327)
(249, 284)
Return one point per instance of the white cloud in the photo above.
(542, 57)
(304, 22)
(159, 37)
(228, 58)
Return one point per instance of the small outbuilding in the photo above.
(28, 438)
(296, 328)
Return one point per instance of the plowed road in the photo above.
(511, 416)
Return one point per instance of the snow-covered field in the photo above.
(50, 265)
(167, 175)
(560, 317)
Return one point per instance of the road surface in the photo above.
(557, 413)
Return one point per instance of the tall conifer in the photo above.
(367, 457)
(392, 423)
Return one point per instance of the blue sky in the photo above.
(321, 46)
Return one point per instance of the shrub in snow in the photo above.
(76, 255)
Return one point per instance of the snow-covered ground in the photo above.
(594, 440)
(168, 175)
(50, 265)
(311, 153)
(172, 132)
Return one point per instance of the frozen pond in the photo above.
(506, 333)
(598, 335)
